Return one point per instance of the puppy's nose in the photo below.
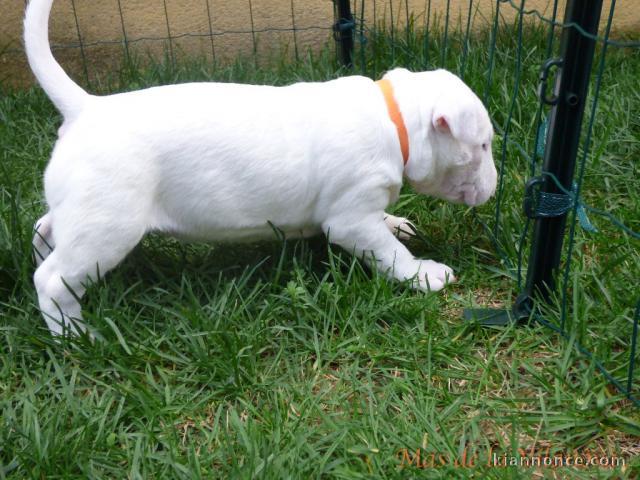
(484, 188)
(493, 180)
(489, 182)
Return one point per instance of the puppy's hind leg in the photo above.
(83, 252)
(58, 296)
(42, 239)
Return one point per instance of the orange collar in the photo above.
(396, 117)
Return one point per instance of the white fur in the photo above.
(213, 161)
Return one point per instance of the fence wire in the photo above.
(171, 35)
(605, 352)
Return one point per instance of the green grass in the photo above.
(291, 360)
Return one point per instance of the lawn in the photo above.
(289, 359)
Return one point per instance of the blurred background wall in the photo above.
(222, 29)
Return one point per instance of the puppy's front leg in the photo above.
(369, 237)
(400, 226)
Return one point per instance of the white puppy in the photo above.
(213, 161)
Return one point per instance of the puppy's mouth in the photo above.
(469, 196)
(475, 198)
(464, 194)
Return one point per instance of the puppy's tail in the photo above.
(66, 95)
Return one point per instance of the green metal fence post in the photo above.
(582, 18)
(343, 30)
(563, 139)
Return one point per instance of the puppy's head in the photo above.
(450, 138)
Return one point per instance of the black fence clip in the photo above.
(538, 204)
(544, 78)
(342, 25)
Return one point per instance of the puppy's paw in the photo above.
(433, 276)
(401, 227)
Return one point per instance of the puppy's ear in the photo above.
(462, 121)
(441, 124)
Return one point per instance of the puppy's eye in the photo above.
(485, 146)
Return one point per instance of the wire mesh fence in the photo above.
(92, 40)
(598, 316)
(499, 52)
